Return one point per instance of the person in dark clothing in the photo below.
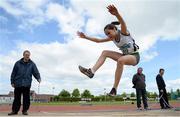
(164, 103)
(21, 79)
(140, 86)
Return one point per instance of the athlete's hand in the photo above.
(113, 10)
(81, 34)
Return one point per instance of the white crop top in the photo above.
(125, 43)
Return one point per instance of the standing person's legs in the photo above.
(161, 100)
(144, 98)
(17, 99)
(106, 54)
(165, 96)
(138, 96)
(26, 99)
(123, 60)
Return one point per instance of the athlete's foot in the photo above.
(112, 92)
(86, 71)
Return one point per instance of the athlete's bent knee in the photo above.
(120, 61)
(105, 52)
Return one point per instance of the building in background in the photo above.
(8, 98)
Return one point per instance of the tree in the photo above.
(133, 94)
(64, 94)
(56, 98)
(86, 94)
(124, 94)
(154, 95)
(169, 95)
(178, 92)
(76, 93)
(148, 94)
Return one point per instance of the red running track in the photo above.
(83, 108)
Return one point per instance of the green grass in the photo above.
(78, 103)
(95, 103)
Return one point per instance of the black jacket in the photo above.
(22, 73)
(160, 82)
(139, 81)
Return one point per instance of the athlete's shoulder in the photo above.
(125, 34)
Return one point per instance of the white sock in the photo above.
(92, 70)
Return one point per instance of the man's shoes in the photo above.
(25, 113)
(167, 107)
(12, 113)
(139, 108)
(147, 108)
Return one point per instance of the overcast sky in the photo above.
(48, 29)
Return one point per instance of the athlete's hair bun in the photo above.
(115, 23)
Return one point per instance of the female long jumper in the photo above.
(123, 40)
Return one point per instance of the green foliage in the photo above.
(133, 94)
(86, 94)
(64, 94)
(76, 93)
(124, 94)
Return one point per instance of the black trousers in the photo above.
(141, 93)
(18, 91)
(164, 103)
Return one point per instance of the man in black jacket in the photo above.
(21, 79)
(140, 86)
(162, 90)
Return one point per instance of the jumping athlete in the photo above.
(123, 40)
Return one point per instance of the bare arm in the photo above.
(113, 10)
(82, 35)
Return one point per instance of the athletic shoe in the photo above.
(87, 72)
(112, 92)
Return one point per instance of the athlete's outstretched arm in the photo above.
(82, 35)
(113, 10)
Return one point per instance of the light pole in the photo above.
(105, 94)
(53, 89)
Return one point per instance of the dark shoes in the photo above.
(15, 113)
(139, 108)
(147, 108)
(166, 107)
(86, 71)
(112, 92)
(12, 113)
(25, 113)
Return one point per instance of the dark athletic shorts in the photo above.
(137, 57)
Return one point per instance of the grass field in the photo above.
(97, 103)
